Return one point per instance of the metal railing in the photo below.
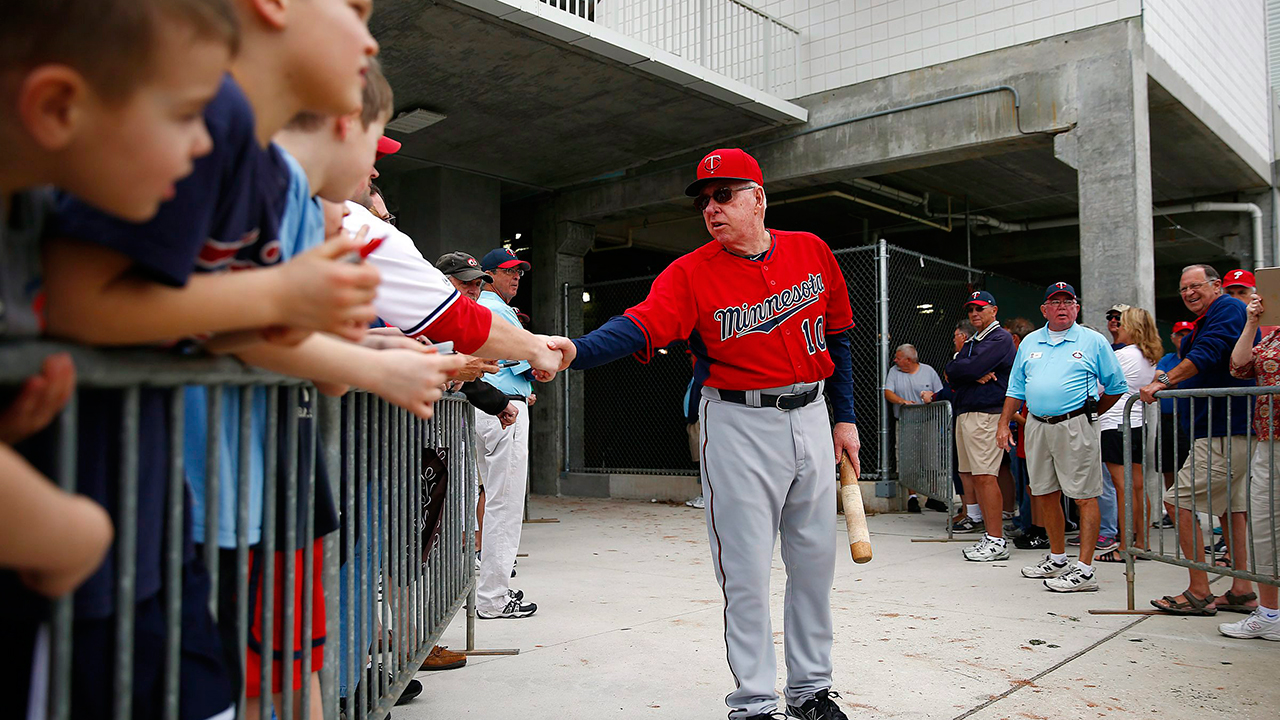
(729, 37)
(1214, 463)
(375, 457)
(924, 451)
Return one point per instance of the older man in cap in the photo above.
(979, 374)
(1057, 372)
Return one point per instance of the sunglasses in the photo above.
(1113, 316)
(722, 195)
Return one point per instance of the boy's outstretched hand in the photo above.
(41, 398)
(413, 379)
(323, 289)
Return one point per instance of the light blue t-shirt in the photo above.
(301, 228)
(1056, 378)
(510, 380)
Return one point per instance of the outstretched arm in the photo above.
(617, 338)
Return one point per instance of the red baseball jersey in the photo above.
(759, 323)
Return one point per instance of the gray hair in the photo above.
(967, 328)
(1209, 273)
(909, 350)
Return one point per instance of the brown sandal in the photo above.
(1191, 606)
(1236, 603)
(1112, 556)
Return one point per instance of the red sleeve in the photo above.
(465, 322)
(667, 314)
(839, 312)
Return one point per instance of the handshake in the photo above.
(560, 355)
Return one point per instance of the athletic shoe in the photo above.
(766, 715)
(1218, 548)
(698, 502)
(442, 658)
(987, 550)
(1164, 522)
(1029, 541)
(936, 505)
(1254, 626)
(1106, 544)
(516, 594)
(913, 504)
(819, 707)
(514, 609)
(1073, 580)
(1072, 528)
(1009, 514)
(411, 691)
(1046, 569)
(967, 525)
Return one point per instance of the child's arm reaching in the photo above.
(411, 379)
(41, 398)
(54, 540)
(94, 295)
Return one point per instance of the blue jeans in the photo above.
(1107, 505)
(1022, 490)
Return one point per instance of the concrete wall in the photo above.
(849, 41)
(1219, 49)
(446, 210)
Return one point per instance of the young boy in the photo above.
(86, 104)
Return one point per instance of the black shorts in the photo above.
(1166, 459)
(204, 686)
(1113, 446)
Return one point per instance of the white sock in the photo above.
(1058, 558)
(1269, 614)
(912, 495)
(974, 512)
(1086, 569)
(999, 540)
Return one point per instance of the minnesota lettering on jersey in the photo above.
(764, 316)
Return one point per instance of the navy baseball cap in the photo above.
(981, 298)
(502, 258)
(1059, 287)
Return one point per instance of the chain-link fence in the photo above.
(633, 414)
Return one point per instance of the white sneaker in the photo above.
(1046, 569)
(698, 502)
(1254, 626)
(513, 609)
(987, 550)
(1073, 580)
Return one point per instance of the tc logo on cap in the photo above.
(511, 252)
(712, 163)
(975, 295)
(1059, 285)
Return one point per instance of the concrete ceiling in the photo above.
(531, 110)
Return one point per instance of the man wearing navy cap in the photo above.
(1057, 372)
(979, 374)
(504, 458)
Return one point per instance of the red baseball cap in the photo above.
(1243, 278)
(387, 146)
(1183, 326)
(725, 164)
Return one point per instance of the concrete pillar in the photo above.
(1111, 151)
(446, 210)
(558, 248)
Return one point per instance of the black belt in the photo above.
(517, 398)
(1055, 419)
(788, 401)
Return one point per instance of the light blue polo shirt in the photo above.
(510, 380)
(1057, 378)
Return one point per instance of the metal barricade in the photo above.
(377, 458)
(924, 451)
(1219, 463)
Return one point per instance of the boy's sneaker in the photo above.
(818, 707)
(514, 609)
(1046, 569)
(1254, 626)
(966, 525)
(1073, 580)
(1032, 542)
(1106, 544)
(936, 505)
(699, 502)
(913, 504)
(987, 550)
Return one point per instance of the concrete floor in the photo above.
(629, 625)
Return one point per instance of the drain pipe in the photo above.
(1250, 208)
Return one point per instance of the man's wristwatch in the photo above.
(1163, 379)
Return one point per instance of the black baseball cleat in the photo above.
(819, 707)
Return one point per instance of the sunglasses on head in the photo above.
(721, 195)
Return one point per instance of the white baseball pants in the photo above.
(766, 471)
(503, 461)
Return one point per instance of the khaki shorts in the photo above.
(976, 449)
(1066, 456)
(1264, 509)
(1207, 491)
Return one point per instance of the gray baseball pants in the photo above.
(766, 471)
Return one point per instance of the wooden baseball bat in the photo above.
(855, 516)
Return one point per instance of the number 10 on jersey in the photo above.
(814, 337)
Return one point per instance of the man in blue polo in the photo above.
(503, 460)
(1057, 372)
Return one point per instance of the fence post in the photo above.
(882, 364)
(564, 376)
